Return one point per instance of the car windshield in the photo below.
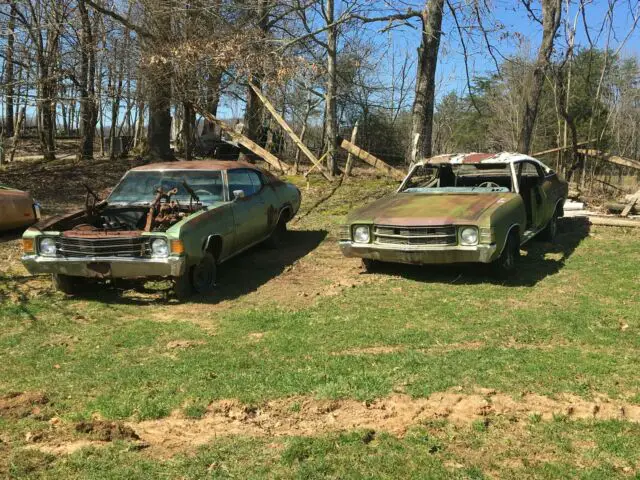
(460, 178)
(140, 186)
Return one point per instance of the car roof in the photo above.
(197, 165)
(475, 157)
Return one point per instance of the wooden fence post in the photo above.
(349, 165)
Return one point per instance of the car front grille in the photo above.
(104, 247)
(394, 235)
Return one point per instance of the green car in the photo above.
(175, 220)
(474, 207)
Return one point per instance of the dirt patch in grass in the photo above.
(394, 414)
(22, 404)
(181, 344)
(106, 431)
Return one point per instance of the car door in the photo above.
(248, 208)
(272, 201)
(532, 175)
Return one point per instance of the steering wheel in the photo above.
(489, 185)
(203, 192)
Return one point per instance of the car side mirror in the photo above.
(238, 194)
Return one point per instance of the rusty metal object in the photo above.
(162, 214)
(16, 209)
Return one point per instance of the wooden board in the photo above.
(285, 126)
(630, 205)
(558, 149)
(615, 159)
(614, 222)
(370, 159)
(267, 156)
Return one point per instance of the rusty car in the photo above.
(17, 209)
(459, 208)
(176, 220)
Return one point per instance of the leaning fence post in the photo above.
(349, 165)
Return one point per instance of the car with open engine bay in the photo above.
(459, 208)
(176, 220)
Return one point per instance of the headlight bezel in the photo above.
(164, 253)
(47, 252)
(365, 228)
(461, 236)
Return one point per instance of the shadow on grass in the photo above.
(540, 259)
(239, 276)
(10, 235)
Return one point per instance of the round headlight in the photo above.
(160, 248)
(48, 247)
(469, 236)
(361, 234)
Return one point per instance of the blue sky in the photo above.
(517, 33)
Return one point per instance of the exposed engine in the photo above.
(99, 217)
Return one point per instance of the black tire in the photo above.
(371, 266)
(203, 275)
(200, 278)
(182, 287)
(65, 283)
(277, 237)
(551, 230)
(507, 262)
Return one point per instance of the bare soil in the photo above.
(311, 417)
(19, 405)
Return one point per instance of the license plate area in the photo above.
(101, 269)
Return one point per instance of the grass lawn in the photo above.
(303, 366)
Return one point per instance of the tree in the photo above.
(551, 14)
(424, 102)
(88, 114)
(9, 68)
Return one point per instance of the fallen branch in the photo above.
(267, 156)
(285, 126)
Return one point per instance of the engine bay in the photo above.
(98, 217)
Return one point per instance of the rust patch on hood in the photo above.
(410, 209)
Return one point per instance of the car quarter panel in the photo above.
(16, 209)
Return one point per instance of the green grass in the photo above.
(564, 326)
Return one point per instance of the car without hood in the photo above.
(175, 220)
(17, 209)
(473, 207)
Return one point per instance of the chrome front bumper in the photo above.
(106, 267)
(419, 254)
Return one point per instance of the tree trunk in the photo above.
(88, 115)
(213, 99)
(188, 123)
(423, 105)
(9, 78)
(254, 112)
(551, 14)
(331, 120)
(45, 103)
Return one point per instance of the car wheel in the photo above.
(507, 262)
(551, 230)
(371, 266)
(278, 235)
(204, 274)
(182, 287)
(200, 278)
(65, 283)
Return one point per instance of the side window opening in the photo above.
(241, 180)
